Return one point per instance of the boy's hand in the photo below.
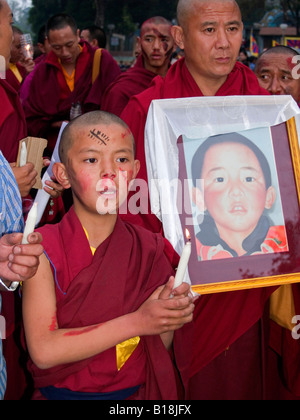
(19, 262)
(161, 313)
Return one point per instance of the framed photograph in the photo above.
(237, 194)
(244, 202)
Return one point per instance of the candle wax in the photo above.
(30, 223)
(183, 263)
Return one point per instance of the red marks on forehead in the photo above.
(126, 134)
(290, 63)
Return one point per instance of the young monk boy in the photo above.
(98, 319)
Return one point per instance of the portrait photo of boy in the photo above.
(236, 197)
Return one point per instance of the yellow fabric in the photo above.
(96, 64)
(16, 72)
(282, 307)
(125, 349)
(70, 79)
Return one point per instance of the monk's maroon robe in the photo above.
(12, 121)
(132, 82)
(125, 270)
(12, 79)
(50, 98)
(223, 355)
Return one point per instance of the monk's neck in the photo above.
(159, 71)
(208, 86)
(98, 227)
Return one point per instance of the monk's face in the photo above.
(274, 73)
(16, 49)
(100, 166)
(65, 45)
(157, 46)
(211, 36)
(6, 34)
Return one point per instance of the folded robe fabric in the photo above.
(125, 270)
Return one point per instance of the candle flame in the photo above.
(187, 234)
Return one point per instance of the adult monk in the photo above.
(19, 65)
(221, 357)
(66, 78)
(95, 36)
(274, 70)
(157, 45)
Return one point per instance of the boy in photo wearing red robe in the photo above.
(99, 315)
(236, 197)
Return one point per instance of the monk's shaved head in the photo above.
(156, 20)
(90, 119)
(278, 50)
(186, 8)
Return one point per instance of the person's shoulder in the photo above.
(144, 235)
(6, 106)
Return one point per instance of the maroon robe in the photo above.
(222, 355)
(12, 80)
(130, 83)
(12, 121)
(93, 290)
(50, 98)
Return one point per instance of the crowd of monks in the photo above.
(233, 350)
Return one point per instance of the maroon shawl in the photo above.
(12, 121)
(47, 101)
(124, 272)
(130, 83)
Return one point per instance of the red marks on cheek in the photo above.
(83, 331)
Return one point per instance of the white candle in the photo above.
(183, 263)
(30, 224)
(23, 154)
(28, 52)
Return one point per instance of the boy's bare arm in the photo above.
(51, 346)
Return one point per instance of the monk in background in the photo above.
(274, 70)
(66, 78)
(156, 45)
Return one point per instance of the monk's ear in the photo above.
(178, 36)
(60, 173)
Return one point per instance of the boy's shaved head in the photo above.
(94, 118)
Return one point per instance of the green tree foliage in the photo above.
(124, 14)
